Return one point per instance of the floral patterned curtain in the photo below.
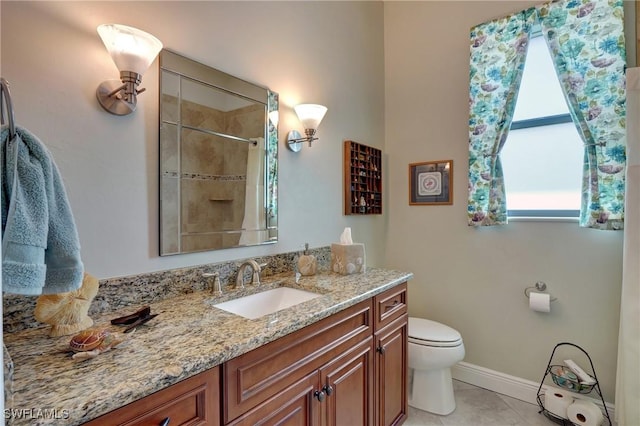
(498, 52)
(586, 41)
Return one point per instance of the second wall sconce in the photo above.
(132, 50)
(310, 115)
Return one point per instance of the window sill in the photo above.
(542, 219)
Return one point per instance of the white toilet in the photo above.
(433, 349)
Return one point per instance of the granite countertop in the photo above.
(187, 337)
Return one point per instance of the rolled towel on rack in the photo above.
(40, 244)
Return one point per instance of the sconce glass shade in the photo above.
(310, 115)
(130, 48)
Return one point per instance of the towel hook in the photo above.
(4, 94)
(540, 286)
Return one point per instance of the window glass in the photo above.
(542, 164)
(540, 93)
(543, 168)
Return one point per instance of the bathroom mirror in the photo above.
(218, 159)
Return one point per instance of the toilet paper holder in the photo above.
(540, 286)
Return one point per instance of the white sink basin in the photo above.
(266, 302)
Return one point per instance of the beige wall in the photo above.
(327, 52)
(474, 279)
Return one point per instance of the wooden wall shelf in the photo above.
(362, 179)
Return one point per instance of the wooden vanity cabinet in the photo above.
(347, 369)
(391, 368)
(194, 401)
(334, 395)
(320, 375)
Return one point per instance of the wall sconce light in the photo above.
(310, 115)
(132, 50)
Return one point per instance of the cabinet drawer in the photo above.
(390, 305)
(194, 401)
(256, 376)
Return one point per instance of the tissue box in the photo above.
(348, 259)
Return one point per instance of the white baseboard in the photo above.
(505, 384)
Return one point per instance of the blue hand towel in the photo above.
(40, 244)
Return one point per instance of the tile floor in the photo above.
(476, 406)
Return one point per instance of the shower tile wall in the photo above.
(213, 175)
(169, 187)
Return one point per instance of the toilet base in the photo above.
(432, 391)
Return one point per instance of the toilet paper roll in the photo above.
(556, 401)
(585, 413)
(539, 302)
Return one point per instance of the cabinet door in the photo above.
(346, 382)
(391, 373)
(294, 406)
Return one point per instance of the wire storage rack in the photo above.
(569, 384)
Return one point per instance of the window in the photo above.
(588, 41)
(542, 158)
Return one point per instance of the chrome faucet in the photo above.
(256, 273)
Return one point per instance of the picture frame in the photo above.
(431, 183)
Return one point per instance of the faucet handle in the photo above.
(258, 270)
(256, 277)
(217, 287)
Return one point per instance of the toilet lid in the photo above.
(432, 333)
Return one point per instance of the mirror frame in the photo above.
(184, 67)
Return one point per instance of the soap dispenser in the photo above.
(307, 263)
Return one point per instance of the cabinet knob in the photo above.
(328, 389)
(165, 422)
(320, 395)
(381, 350)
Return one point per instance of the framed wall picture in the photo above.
(431, 183)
